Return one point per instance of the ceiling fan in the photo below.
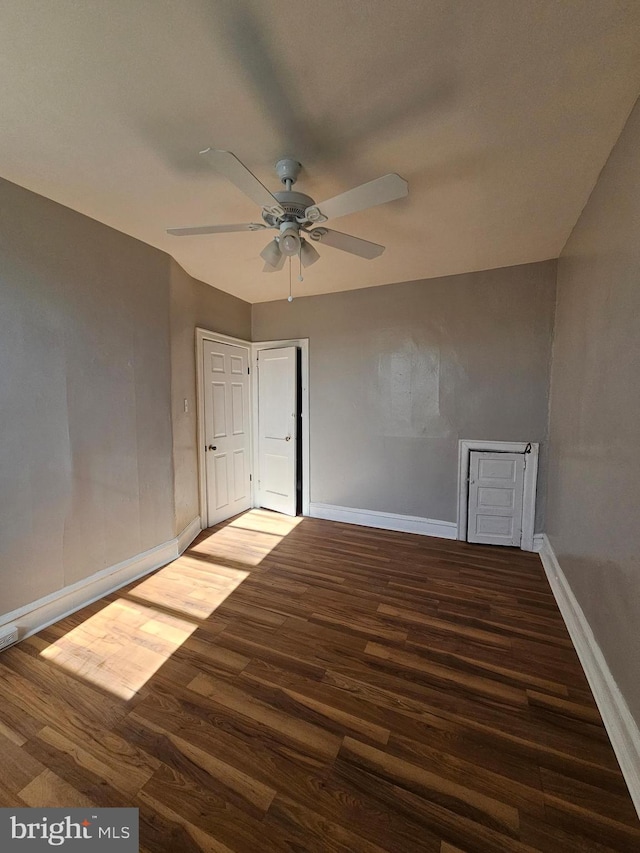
(296, 216)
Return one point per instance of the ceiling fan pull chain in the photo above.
(300, 278)
(290, 299)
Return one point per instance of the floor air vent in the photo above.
(8, 636)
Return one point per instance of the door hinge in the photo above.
(248, 370)
(250, 478)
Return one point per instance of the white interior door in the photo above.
(496, 483)
(226, 428)
(277, 434)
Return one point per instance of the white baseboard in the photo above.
(385, 520)
(51, 608)
(619, 723)
(187, 536)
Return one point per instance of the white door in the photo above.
(277, 435)
(496, 483)
(226, 430)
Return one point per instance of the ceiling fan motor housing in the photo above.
(294, 205)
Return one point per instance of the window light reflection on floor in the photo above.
(248, 539)
(123, 645)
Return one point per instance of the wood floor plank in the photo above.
(447, 676)
(50, 790)
(300, 685)
(311, 831)
(431, 786)
(614, 805)
(527, 797)
(124, 767)
(498, 666)
(166, 829)
(19, 768)
(435, 819)
(242, 702)
(411, 617)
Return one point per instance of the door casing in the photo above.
(253, 348)
(465, 446)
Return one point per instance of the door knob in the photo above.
(212, 447)
(288, 438)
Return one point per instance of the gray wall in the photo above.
(194, 304)
(400, 373)
(97, 457)
(85, 429)
(594, 486)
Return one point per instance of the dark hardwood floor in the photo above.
(301, 685)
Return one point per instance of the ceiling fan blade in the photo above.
(347, 243)
(381, 190)
(214, 229)
(227, 164)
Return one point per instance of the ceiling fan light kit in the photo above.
(308, 254)
(289, 242)
(294, 214)
(271, 253)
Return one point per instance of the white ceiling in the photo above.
(499, 113)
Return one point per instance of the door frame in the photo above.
(303, 344)
(203, 335)
(465, 446)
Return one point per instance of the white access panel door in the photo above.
(496, 483)
(277, 429)
(226, 430)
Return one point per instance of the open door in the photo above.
(277, 429)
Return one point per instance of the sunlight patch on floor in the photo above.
(248, 539)
(189, 587)
(266, 522)
(123, 645)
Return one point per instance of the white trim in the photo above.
(51, 608)
(538, 540)
(303, 344)
(203, 335)
(465, 446)
(619, 723)
(384, 520)
(186, 537)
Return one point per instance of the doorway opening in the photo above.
(228, 434)
(273, 362)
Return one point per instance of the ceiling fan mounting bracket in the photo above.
(288, 169)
